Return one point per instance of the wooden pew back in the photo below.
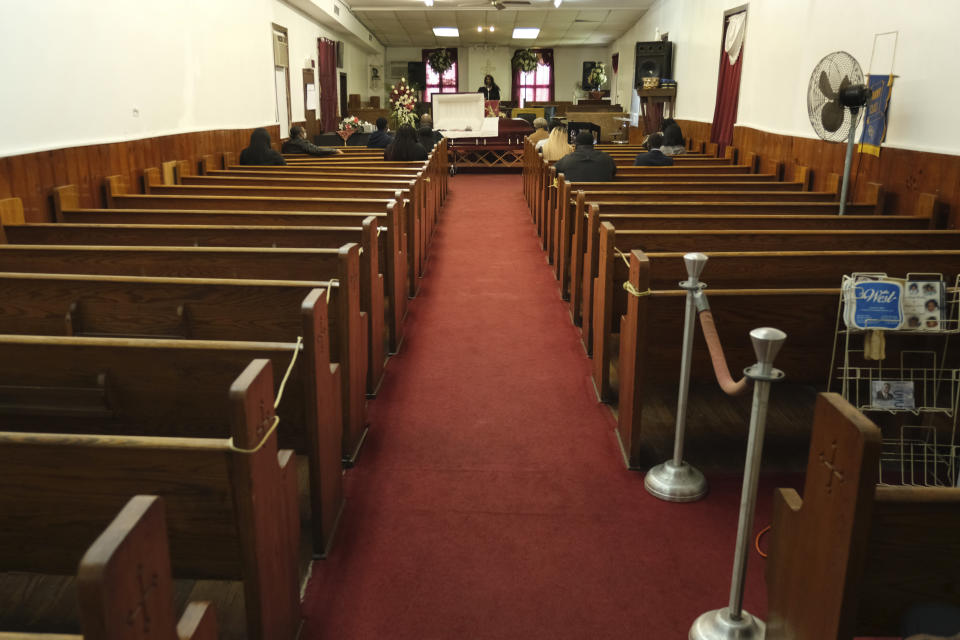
(59, 491)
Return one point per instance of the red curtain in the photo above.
(546, 55)
(327, 76)
(728, 97)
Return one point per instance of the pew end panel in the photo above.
(372, 303)
(352, 350)
(168, 172)
(264, 482)
(323, 383)
(113, 187)
(11, 212)
(849, 444)
(207, 164)
(802, 174)
(131, 554)
(65, 197)
(151, 177)
(849, 558)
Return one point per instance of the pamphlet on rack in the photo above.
(923, 301)
(892, 394)
(872, 301)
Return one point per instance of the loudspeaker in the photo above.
(654, 60)
(587, 68)
(417, 74)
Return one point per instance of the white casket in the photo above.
(461, 115)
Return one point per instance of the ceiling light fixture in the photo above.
(479, 29)
(556, 3)
(446, 32)
(491, 28)
(524, 33)
(429, 3)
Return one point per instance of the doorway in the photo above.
(343, 95)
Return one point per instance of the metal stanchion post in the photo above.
(732, 622)
(675, 480)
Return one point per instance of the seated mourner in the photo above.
(380, 138)
(555, 146)
(428, 137)
(586, 164)
(540, 131)
(259, 152)
(673, 143)
(298, 143)
(654, 157)
(405, 146)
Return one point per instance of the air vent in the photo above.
(336, 10)
(582, 20)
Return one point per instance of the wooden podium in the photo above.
(655, 104)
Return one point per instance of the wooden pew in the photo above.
(236, 310)
(598, 298)
(415, 225)
(584, 245)
(348, 341)
(231, 501)
(797, 292)
(110, 579)
(849, 558)
(696, 203)
(420, 213)
(391, 248)
(372, 294)
(548, 176)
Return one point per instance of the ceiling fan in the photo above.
(499, 5)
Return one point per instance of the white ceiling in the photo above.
(399, 23)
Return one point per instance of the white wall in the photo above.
(568, 66)
(73, 72)
(785, 40)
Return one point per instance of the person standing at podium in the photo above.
(490, 90)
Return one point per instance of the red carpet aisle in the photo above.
(490, 500)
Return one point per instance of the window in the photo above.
(437, 84)
(537, 85)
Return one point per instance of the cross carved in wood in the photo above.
(832, 470)
(141, 610)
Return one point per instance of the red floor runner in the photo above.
(490, 500)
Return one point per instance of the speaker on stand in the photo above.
(653, 60)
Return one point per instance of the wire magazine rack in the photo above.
(920, 446)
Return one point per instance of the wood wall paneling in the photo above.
(32, 176)
(904, 173)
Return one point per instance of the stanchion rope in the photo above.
(276, 403)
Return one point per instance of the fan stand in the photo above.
(848, 161)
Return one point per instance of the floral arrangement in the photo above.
(440, 60)
(526, 60)
(402, 101)
(350, 123)
(598, 75)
